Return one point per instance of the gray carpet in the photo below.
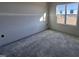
(45, 44)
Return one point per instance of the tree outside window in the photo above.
(71, 11)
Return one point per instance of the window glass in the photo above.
(60, 13)
(72, 11)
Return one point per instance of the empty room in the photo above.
(39, 29)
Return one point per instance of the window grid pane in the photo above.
(72, 11)
(60, 12)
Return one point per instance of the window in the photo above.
(72, 10)
(60, 12)
(67, 13)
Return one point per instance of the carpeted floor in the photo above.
(45, 44)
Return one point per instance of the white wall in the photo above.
(18, 20)
(74, 30)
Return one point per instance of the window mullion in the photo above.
(65, 13)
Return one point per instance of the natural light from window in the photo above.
(72, 10)
(60, 13)
(67, 14)
(43, 18)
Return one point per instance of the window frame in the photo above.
(66, 13)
